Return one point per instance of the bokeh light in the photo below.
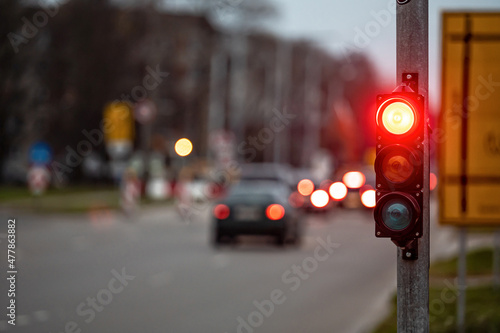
(320, 198)
(368, 198)
(275, 212)
(183, 147)
(354, 179)
(338, 191)
(433, 181)
(305, 187)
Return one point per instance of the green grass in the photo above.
(479, 262)
(8, 193)
(75, 199)
(483, 311)
(67, 201)
(14, 193)
(483, 302)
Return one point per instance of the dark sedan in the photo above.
(256, 208)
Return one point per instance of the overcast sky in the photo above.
(333, 23)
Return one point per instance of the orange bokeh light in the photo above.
(183, 147)
(275, 212)
(305, 187)
(433, 181)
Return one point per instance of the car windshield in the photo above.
(258, 189)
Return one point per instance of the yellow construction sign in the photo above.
(469, 130)
(118, 122)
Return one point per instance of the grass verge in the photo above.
(77, 199)
(483, 311)
(482, 302)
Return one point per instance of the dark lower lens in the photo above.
(396, 214)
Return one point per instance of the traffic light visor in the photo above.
(398, 117)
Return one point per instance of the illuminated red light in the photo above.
(275, 212)
(338, 191)
(397, 116)
(320, 198)
(305, 187)
(354, 179)
(433, 181)
(221, 212)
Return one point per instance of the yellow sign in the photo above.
(469, 131)
(118, 122)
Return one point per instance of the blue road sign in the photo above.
(40, 153)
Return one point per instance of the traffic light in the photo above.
(399, 166)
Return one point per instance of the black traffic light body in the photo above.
(399, 167)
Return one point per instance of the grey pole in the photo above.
(462, 283)
(413, 275)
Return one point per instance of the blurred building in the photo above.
(56, 81)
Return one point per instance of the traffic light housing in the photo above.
(399, 166)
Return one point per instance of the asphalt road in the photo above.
(158, 273)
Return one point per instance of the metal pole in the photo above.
(462, 283)
(413, 275)
(496, 259)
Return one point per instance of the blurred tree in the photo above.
(21, 117)
(9, 22)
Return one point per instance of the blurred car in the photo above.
(309, 194)
(256, 208)
(273, 172)
(356, 189)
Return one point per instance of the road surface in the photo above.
(100, 272)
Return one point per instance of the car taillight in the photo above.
(320, 199)
(305, 187)
(221, 212)
(275, 212)
(338, 191)
(354, 179)
(368, 198)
